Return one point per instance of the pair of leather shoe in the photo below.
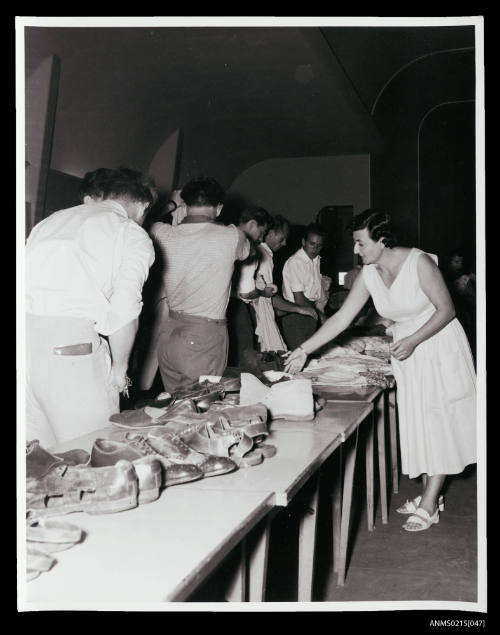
(180, 463)
(54, 486)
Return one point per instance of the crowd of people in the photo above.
(216, 298)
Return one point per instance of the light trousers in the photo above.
(66, 395)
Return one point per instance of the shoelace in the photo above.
(141, 444)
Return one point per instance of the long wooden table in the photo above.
(385, 409)
(153, 553)
(177, 541)
(303, 446)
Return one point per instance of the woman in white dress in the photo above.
(430, 356)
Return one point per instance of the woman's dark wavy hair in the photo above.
(378, 224)
(203, 192)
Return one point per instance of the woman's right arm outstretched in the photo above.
(337, 323)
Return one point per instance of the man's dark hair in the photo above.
(260, 215)
(203, 192)
(316, 229)
(119, 183)
(93, 183)
(279, 223)
(379, 225)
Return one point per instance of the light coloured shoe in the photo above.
(410, 507)
(52, 535)
(291, 399)
(421, 520)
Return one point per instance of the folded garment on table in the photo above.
(336, 367)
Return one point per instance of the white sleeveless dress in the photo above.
(436, 385)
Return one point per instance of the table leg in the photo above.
(307, 543)
(236, 590)
(380, 414)
(346, 510)
(394, 439)
(370, 507)
(337, 510)
(257, 562)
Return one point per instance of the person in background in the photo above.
(85, 269)
(431, 359)
(199, 256)
(253, 221)
(462, 287)
(269, 302)
(302, 286)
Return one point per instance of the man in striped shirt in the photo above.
(198, 262)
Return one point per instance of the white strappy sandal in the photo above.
(421, 520)
(410, 507)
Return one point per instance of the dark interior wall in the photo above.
(447, 185)
(400, 115)
(62, 191)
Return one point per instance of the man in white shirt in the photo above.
(85, 269)
(267, 300)
(302, 286)
(198, 257)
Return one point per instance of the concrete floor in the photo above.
(388, 564)
(391, 564)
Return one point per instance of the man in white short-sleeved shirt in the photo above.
(198, 257)
(302, 286)
(85, 269)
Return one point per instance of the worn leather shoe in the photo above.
(148, 468)
(96, 490)
(252, 420)
(176, 450)
(135, 447)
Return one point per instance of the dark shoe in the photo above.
(175, 449)
(40, 461)
(95, 490)
(134, 447)
(150, 416)
(148, 468)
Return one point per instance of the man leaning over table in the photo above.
(85, 269)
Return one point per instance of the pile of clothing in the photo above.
(353, 361)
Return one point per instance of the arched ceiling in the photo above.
(240, 95)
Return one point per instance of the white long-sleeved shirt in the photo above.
(300, 273)
(90, 262)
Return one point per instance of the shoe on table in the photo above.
(135, 448)
(224, 441)
(251, 419)
(150, 416)
(175, 449)
(96, 490)
(52, 535)
(291, 399)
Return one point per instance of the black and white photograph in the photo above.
(251, 315)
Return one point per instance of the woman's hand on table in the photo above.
(402, 349)
(295, 361)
